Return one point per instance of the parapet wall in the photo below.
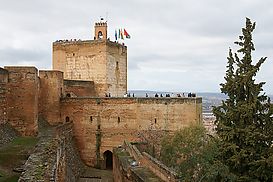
(22, 99)
(118, 118)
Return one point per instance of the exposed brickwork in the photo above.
(22, 99)
(51, 90)
(125, 118)
(79, 88)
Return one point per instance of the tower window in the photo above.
(117, 64)
(118, 119)
(67, 119)
(91, 118)
(155, 120)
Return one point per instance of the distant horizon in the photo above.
(204, 92)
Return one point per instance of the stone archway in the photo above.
(108, 159)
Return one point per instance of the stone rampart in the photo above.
(120, 118)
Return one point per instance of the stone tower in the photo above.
(100, 31)
(99, 60)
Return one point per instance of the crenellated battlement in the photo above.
(101, 24)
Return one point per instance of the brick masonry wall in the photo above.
(22, 99)
(51, 90)
(125, 118)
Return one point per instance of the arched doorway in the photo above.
(108, 158)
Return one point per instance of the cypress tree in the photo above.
(245, 119)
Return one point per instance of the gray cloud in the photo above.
(175, 45)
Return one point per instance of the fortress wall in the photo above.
(51, 90)
(125, 118)
(4, 75)
(22, 99)
(116, 69)
(77, 88)
(82, 60)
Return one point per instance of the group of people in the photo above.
(68, 40)
(157, 95)
(129, 95)
(173, 95)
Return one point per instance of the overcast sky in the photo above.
(175, 45)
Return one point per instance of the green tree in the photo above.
(245, 119)
(190, 152)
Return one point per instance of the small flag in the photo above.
(116, 35)
(126, 34)
(121, 34)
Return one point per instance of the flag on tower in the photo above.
(121, 34)
(126, 34)
(116, 35)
